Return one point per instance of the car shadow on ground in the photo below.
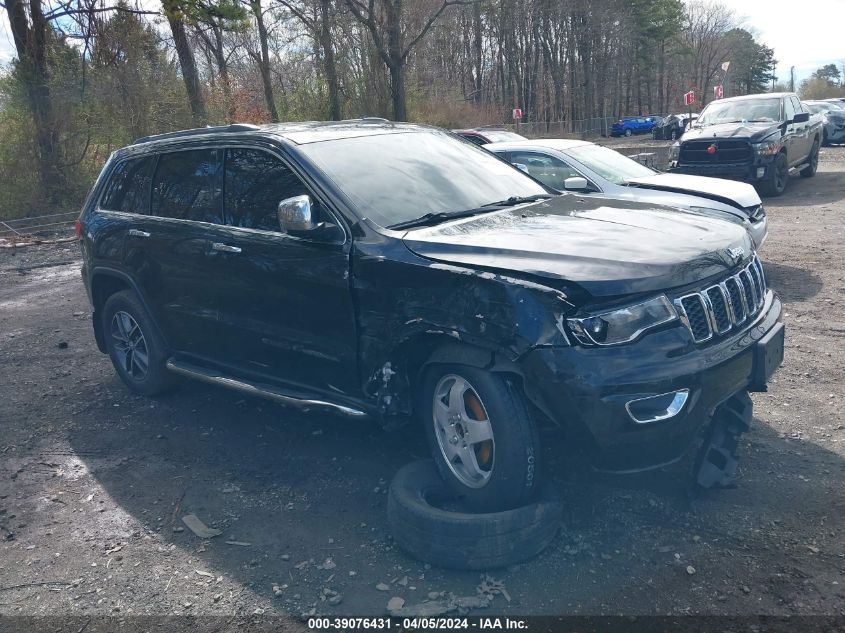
(826, 187)
(791, 282)
(301, 489)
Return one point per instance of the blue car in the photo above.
(628, 125)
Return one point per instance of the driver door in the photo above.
(284, 301)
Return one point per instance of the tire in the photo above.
(131, 337)
(459, 540)
(810, 170)
(483, 439)
(775, 183)
(825, 141)
(628, 132)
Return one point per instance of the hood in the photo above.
(732, 192)
(608, 247)
(754, 132)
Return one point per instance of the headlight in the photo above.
(674, 151)
(768, 148)
(623, 324)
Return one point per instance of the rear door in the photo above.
(285, 302)
(166, 250)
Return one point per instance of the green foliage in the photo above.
(752, 63)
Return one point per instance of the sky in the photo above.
(805, 35)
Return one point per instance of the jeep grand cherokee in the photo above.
(378, 269)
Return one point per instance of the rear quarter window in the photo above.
(128, 187)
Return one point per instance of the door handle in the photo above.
(224, 248)
(138, 233)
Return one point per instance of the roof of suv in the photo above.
(760, 95)
(299, 133)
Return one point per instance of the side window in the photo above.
(788, 109)
(187, 186)
(128, 189)
(549, 170)
(796, 104)
(256, 182)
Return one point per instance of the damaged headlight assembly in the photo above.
(767, 148)
(622, 325)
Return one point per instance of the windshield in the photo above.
(738, 111)
(609, 164)
(502, 137)
(394, 178)
(816, 108)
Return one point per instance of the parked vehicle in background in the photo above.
(590, 169)
(488, 134)
(672, 126)
(392, 270)
(757, 138)
(626, 126)
(832, 115)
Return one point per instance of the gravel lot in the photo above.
(94, 481)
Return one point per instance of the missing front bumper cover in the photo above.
(716, 463)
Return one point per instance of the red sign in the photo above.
(718, 92)
(689, 97)
(517, 113)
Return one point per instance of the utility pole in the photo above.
(792, 79)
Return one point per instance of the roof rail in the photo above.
(208, 129)
(374, 119)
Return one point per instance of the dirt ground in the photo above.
(94, 481)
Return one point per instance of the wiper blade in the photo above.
(430, 219)
(515, 200)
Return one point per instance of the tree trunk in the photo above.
(478, 49)
(264, 64)
(329, 64)
(31, 47)
(189, 70)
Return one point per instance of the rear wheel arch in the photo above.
(106, 282)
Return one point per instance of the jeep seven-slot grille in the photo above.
(724, 306)
(726, 151)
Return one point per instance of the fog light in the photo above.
(656, 408)
(761, 171)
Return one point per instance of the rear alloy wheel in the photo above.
(778, 176)
(628, 132)
(134, 346)
(812, 166)
(482, 437)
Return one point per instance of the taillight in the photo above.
(78, 227)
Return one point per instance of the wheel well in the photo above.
(102, 287)
(415, 354)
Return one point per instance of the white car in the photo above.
(569, 165)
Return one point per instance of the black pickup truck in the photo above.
(757, 138)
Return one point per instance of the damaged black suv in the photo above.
(377, 269)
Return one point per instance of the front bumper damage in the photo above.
(645, 405)
(758, 169)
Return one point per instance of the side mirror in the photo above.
(801, 117)
(296, 218)
(576, 183)
(295, 214)
(521, 167)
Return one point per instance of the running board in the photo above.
(256, 389)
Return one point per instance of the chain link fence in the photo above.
(576, 128)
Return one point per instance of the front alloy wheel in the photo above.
(482, 436)
(463, 431)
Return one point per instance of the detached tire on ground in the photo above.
(462, 540)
